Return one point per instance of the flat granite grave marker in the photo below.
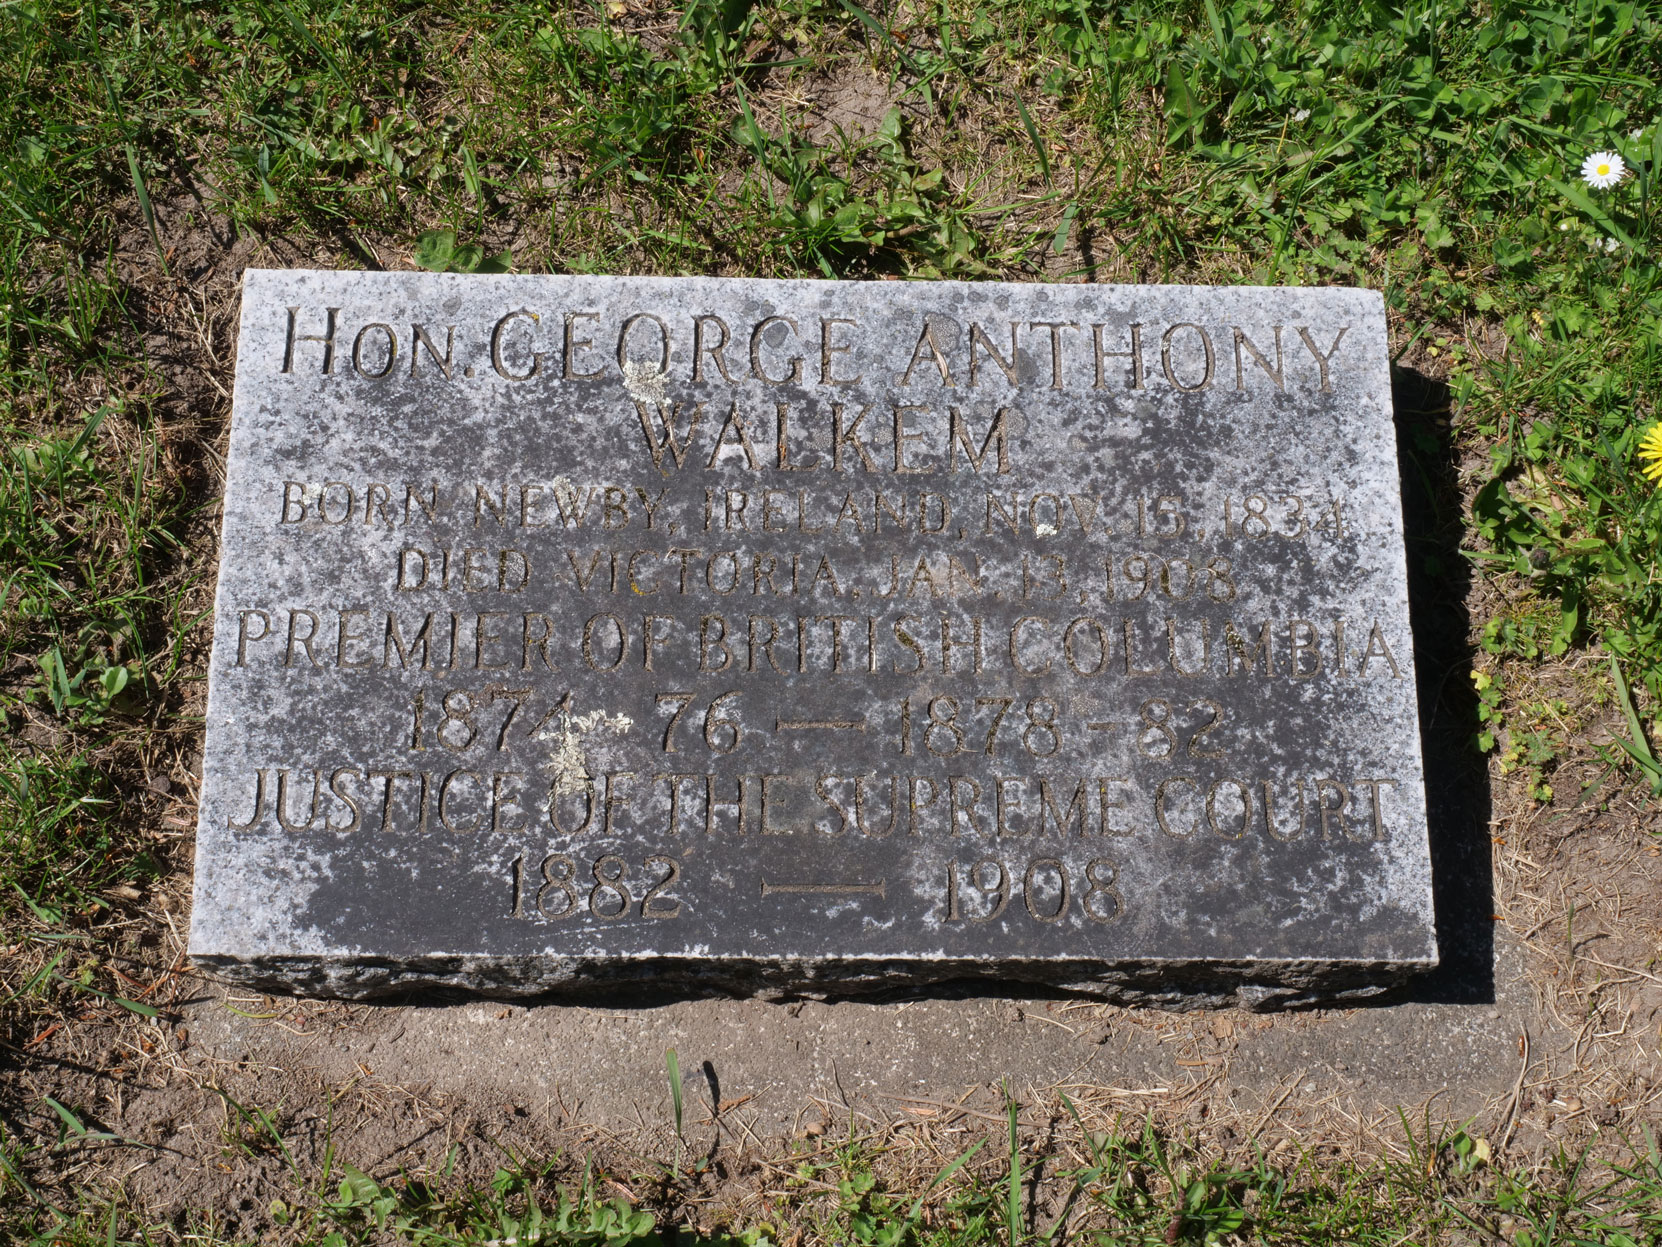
(582, 631)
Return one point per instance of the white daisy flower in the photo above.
(1602, 170)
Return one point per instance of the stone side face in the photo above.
(811, 636)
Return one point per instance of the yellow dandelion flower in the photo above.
(1650, 454)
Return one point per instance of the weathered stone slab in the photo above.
(573, 631)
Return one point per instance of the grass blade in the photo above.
(139, 190)
(97, 417)
(751, 135)
(917, 1204)
(733, 15)
(261, 1121)
(1090, 1139)
(674, 1064)
(1059, 243)
(143, 195)
(1013, 1204)
(1598, 215)
(1639, 749)
(883, 35)
(144, 1011)
(50, 917)
(69, 1118)
(16, 1175)
(1034, 138)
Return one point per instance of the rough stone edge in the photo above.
(1261, 986)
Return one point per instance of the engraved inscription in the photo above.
(557, 891)
(625, 624)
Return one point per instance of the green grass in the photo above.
(1130, 1186)
(1426, 149)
